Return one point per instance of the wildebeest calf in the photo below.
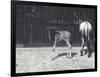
(58, 36)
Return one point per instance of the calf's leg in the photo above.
(69, 47)
(54, 45)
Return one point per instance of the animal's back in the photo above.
(63, 35)
(85, 28)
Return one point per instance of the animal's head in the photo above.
(51, 34)
(51, 30)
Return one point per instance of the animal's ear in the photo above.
(56, 32)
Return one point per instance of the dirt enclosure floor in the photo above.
(40, 59)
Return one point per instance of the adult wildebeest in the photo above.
(85, 30)
(58, 36)
(87, 35)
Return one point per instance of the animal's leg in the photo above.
(69, 47)
(89, 49)
(54, 46)
(82, 47)
(93, 42)
(88, 46)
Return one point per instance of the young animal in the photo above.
(58, 36)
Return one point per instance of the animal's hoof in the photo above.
(81, 54)
(69, 57)
(89, 55)
(53, 59)
(53, 50)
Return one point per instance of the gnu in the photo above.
(58, 36)
(85, 30)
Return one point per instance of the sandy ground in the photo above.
(40, 59)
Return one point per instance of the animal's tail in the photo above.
(88, 38)
(87, 31)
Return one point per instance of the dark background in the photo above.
(33, 21)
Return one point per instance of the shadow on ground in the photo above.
(63, 54)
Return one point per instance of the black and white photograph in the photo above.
(51, 37)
